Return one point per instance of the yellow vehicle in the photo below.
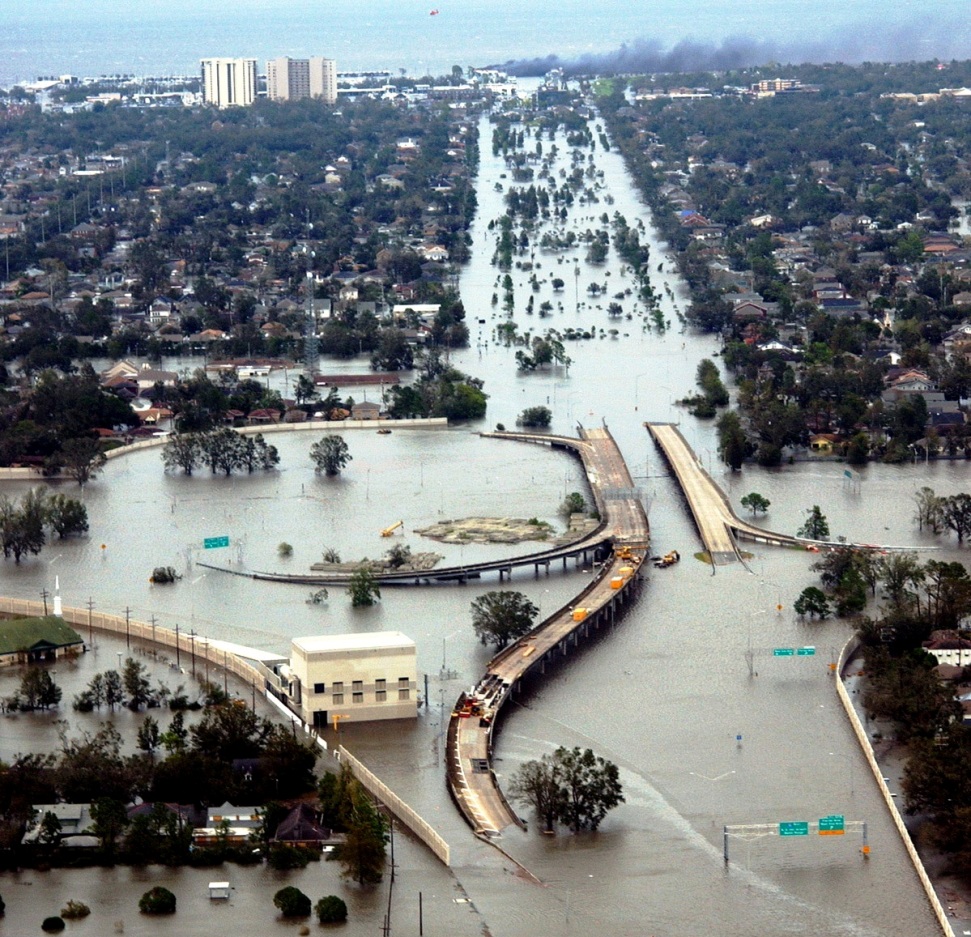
(388, 531)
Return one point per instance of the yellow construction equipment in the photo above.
(388, 531)
(623, 553)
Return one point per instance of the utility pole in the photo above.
(153, 620)
(178, 658)
(192, 644)
(44, 594)
(90, 626)
(128, 627)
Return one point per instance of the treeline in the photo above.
(25, 524)
(222, 450)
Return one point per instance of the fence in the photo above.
(396, 805)
(849, 649)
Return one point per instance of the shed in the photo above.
(218, 890)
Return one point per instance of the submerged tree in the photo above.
(330, 455)
(501, 617)
(816, 526)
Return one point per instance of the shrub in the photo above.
(283, 857)
(163, 574)
(74, 910)
(331, 910)
(292, 902)
(157, 900)
(284, 550)
(52, 925)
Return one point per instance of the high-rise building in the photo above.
(229, 82)
(292, 79)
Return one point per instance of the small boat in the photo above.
(384, 432)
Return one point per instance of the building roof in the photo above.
(22, 634)
(353, 642)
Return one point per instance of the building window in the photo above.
(358, 686)
(403, 694)
(337, 686)
(338, 698)
(403, 683)
(358, 697)
(380, 695)
(319, 688)
(380, 685)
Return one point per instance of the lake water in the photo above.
(54, 37)
(664, 695)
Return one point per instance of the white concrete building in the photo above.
(359, 677)
(229, 82)
(292, 79)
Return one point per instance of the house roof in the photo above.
(26, 633)
(353, 642)
(300, 825)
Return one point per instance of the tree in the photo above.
(157, 900)
(756, 503)
(363, 852)
(136, 684)
(501, 617)
(955, 514)
(181, 451)
(592, 787)
(22, 525)
(363, 589)
(66, 516)
(110, 818)
(535, 417)
(37, 690)
(537, 784)
(330, 455)
(812, 602)
(331, 910)
(292, 902)
(82, 458)
(732, 444)
(816, 526)
(149, 737)
(114, 691)
(928, 511)
(222, 450)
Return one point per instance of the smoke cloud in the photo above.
(900, 43)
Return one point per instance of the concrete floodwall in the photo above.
(190, 649)
(321, 426)
(407, 815)
(846, 655)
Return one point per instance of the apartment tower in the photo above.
(229, 82)
(292, 79)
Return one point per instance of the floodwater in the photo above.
(666, 694)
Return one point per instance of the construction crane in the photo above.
(388, 531)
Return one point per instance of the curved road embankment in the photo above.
(471, 778)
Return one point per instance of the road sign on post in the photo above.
(783, 652)
(213, 543)
(832, 825)
(796, 828)
(805, 652)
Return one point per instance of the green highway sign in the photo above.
(832, 825)
(797, 828)
(783, 652)
(805, 652)
(213, 543)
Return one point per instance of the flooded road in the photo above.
(666, 694)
